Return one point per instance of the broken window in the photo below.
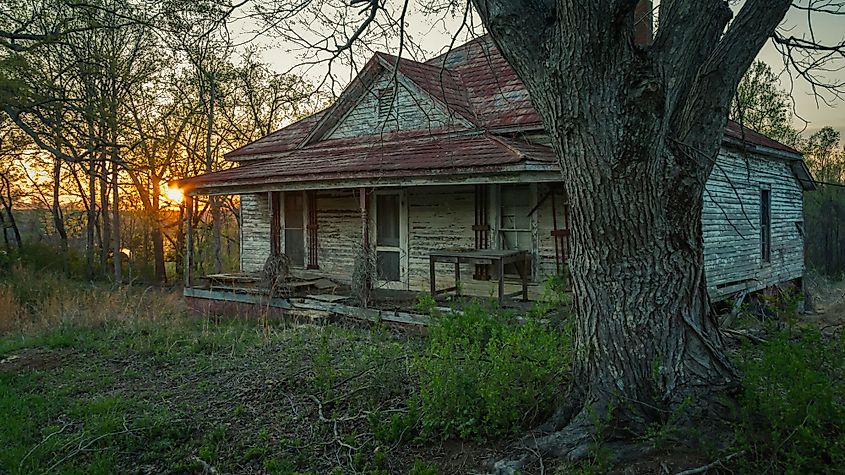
(295, 228)
(766, 225)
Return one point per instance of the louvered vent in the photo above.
(385, 101)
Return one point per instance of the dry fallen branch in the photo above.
(744, 334)
(705, 468)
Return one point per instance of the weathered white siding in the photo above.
(255, 231)
(441, 217)
(731, 224)
(338, 232)
(410, 110)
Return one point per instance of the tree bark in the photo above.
(5, 233)
(214, 201)
(118, 268)
(636, 128)
(105, 225)
(8, 205)
(92, 218)
(58, 217)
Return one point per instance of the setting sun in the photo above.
(174, 194)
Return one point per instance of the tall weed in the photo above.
(33, 299)
(484, 374)
(792, 406)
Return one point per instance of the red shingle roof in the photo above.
(442, 84)
(282, 140)
(496, 93)
(473, 80)
(409, 157)
(744, 134)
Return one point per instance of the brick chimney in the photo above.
(643, 23)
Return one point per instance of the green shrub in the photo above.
(792, 406)
(555, 301)
(482, 373)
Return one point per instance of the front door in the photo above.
(391, 224)
(294, 228)
(516, 203)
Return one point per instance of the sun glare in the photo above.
(174, 194)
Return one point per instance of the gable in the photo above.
(391, 104)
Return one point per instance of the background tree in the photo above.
(824, 211)
(761, 105)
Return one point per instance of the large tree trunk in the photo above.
(645, 343)
(637, 129)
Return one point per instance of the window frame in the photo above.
(765, 224)
(283, 227)
(531, 230)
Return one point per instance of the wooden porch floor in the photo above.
(310, 291)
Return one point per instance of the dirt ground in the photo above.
(828, 301)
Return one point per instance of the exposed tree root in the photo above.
(576, 441)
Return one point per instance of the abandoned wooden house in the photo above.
(443, 169)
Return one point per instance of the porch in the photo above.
(314, 294)
(488, 241)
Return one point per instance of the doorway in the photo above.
(391, 239)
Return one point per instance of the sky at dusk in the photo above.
(433, 35)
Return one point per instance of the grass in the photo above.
(98, 379)
(95, 379)
(170, 397)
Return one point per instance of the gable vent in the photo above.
(385, 100)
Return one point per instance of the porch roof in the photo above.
(433, 158)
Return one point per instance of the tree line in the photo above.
(96, 120)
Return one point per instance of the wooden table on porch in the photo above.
(483, 257)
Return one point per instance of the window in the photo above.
(385, 102)
(765, 225)
(388, 237)
(515, 221)
(295, 228)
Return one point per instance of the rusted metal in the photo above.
(409, 156)
(481, 229)
(473, 81)
(746, 135)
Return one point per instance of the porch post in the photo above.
(189, 241)
(365, 238)
(365, 219)
(275, 199)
